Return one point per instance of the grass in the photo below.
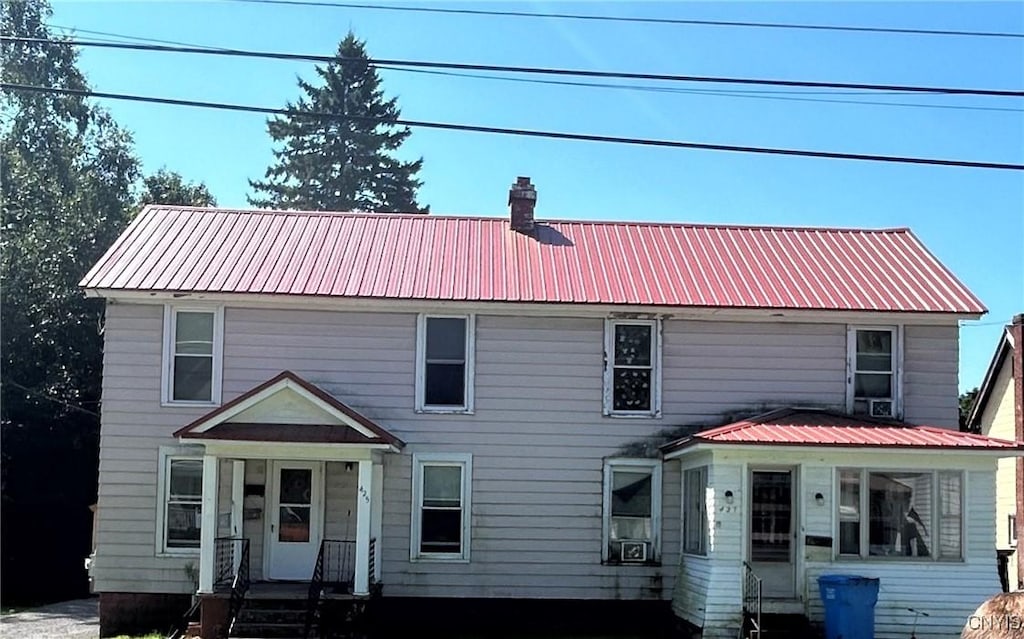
(152, 635)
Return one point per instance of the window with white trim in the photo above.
(632, 377)
(695, 514)
(632, 511)
(444, 363)
(873, 385)
(180, 503)
(893, 514)
(441, 506)
(193, 354)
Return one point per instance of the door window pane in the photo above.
(771, 525)
(293, 524)
(296, 485)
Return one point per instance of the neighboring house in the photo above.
(472, 407)
(998, 411)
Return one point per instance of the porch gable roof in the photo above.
(823, 428)
(340, 424)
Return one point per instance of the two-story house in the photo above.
(479, 408)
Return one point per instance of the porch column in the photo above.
(208, 523)
(376, 517)
(237, 497)
(361, 583)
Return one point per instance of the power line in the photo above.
(518, 132)
(50, 398)
(750, 94)
(759, 95)
(641, 20)
(513, 69)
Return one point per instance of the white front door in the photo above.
(772, 524)
(295, 517)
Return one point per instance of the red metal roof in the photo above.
(432, 257)
(794, 427)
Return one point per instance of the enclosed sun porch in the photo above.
(290, 488)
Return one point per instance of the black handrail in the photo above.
(335, 566)
(751, 601)
(372, 563)
(239, 585)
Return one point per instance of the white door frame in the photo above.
(794, 519)
(271, 500)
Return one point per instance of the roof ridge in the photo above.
(170, 208)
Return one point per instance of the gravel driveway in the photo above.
(77, 619)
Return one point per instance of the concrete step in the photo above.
(271, 631)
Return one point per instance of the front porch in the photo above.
(290, 510)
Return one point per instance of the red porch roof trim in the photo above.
(213, 424)
(474, 259)
(828, 429)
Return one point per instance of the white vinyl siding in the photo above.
(192, 355)
(537, 436)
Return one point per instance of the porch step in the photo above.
(271, 618)
(787, 626)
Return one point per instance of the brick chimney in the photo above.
(1017, 368)
(522, 198)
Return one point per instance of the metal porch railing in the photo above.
(751, 604)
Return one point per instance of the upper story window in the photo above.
(179, 512)
(632, 378)
(900, 514)
(193, 353)
(632, 510)
(441, 489)
(875, 357)
(444, 368)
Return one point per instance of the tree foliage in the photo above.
(340, 164)
(68, 177)
(168, 187)
(966, 401)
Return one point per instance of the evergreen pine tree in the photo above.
(340, 164)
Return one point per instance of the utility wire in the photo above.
(514, 69)
(675, 21)
(121, 37)
(738, 93)
(516, 132)
(760, 95)
(50, 398)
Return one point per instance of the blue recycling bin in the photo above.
(849, 606)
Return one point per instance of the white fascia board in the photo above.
(538, 309)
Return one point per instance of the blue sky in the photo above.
(972, 219)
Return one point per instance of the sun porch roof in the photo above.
(828, 429)
(288, 409)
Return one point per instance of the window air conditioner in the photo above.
(881, 408)
(633, 551)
